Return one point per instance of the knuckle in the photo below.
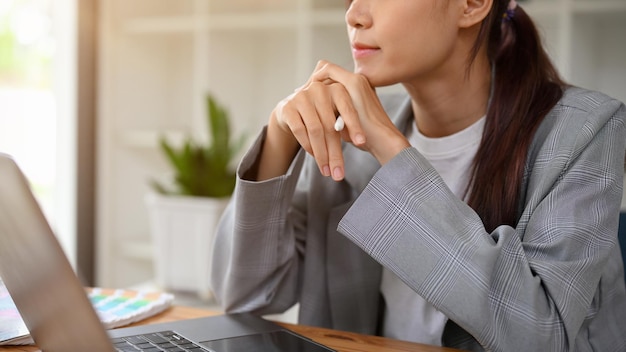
(315, 86)
(321, 63)
(296, 128)
(287, 114)
(335, 159)
(316, 130)
(346, 107)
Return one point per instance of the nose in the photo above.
(358, 14)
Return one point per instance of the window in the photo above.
(35, 90)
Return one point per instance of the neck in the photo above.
(450, 102)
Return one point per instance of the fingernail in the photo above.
(359, 139)
(326, 170)
(337, 174)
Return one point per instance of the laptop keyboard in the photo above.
(155, 342)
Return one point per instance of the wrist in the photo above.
(278, 137)
(279, 149)
(390, 148)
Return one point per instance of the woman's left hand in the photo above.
(379, 136)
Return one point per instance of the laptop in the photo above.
(60, 316)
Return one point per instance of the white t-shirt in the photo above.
(408, 316)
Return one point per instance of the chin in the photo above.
(383, 83)
(376, 79)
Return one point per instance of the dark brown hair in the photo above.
(525, 87)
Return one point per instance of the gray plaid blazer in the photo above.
(555, 282)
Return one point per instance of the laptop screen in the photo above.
(42, 283)
(275, 341)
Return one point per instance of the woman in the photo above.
(479, 210)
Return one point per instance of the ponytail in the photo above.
(525, 87)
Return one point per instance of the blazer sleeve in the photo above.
(255, 258)
(526, 288)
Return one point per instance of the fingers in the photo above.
(319, 66)
(310, 115)
(353, 87)
(325, 142)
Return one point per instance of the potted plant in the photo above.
(183, 216)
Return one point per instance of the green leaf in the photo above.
(204, 170)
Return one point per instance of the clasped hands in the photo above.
(309, 115)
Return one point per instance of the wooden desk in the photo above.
(338, 340)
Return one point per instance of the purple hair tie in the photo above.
(510, 11)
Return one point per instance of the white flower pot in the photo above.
(183, 229)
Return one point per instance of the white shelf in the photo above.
(543, 8)
(156, 25)
(329, 18)
(145, 139)
(189, 24)
(555, 8)
(238, 22)
(244, 22)
(136, 250)
(599, 6)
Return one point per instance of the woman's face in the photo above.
(403, 41)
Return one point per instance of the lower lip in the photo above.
(362, 53)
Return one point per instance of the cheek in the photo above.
(420, 49)
(414, 43)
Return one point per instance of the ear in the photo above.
(475, 11)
